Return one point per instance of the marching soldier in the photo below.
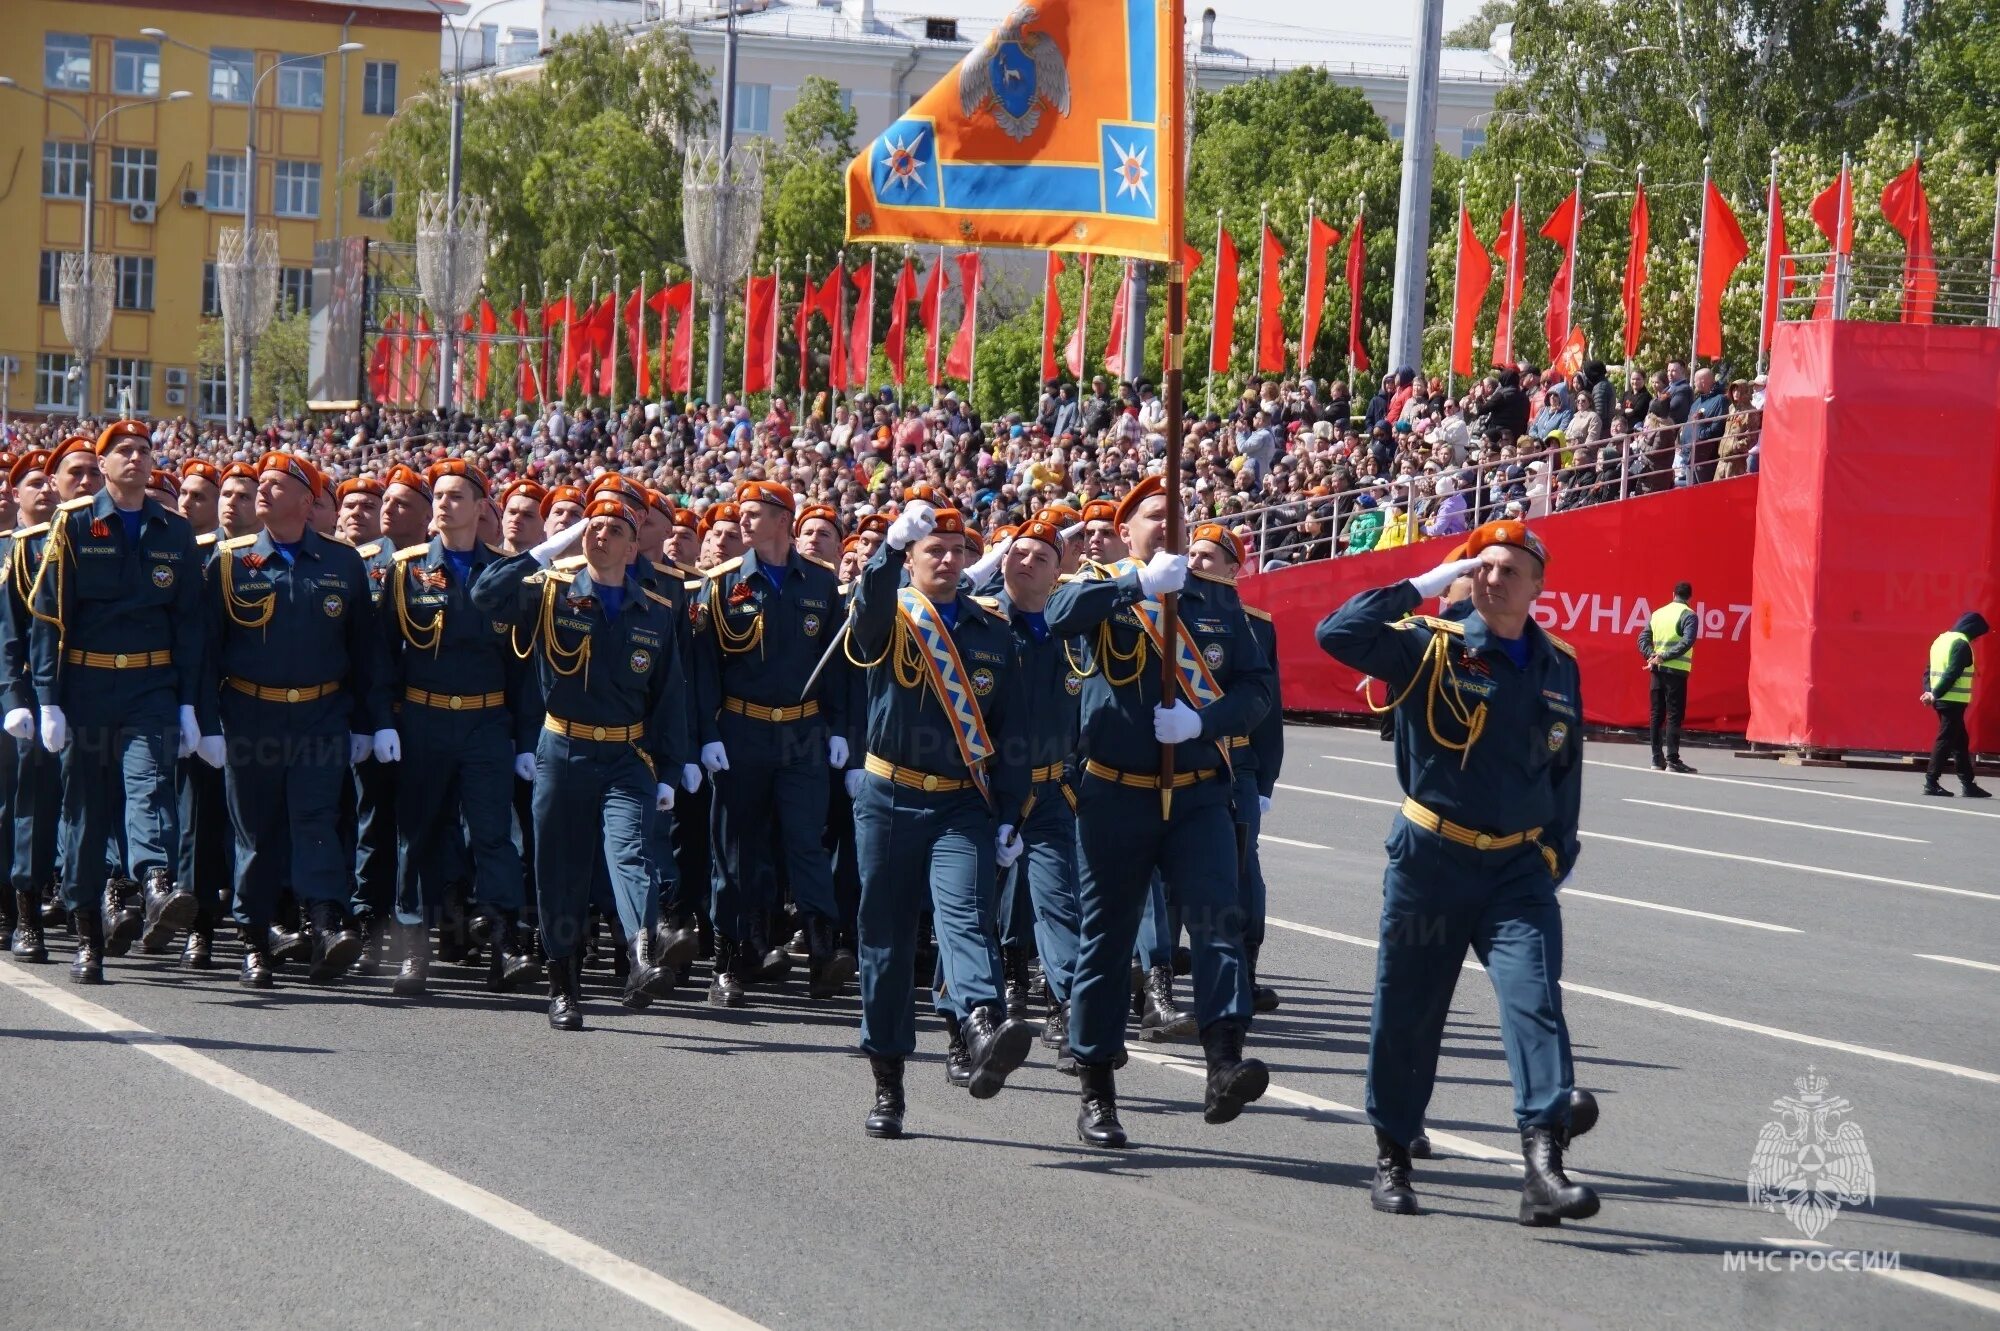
(302, 679)
(35, 784)
(116, 655)
(370, 803)
(236, 504)
(1489, 751)
(684, 543)
(763, 623)
(562, 508)
(406, 508)
(721, 535)
(457, 677)
(1101, 541)
(947, 717)
(358, 519)
(201, 494)
(819, 534)
(1132, 820)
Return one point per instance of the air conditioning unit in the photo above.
(190, 198)
(177, 378)
(145, 212)
(176, 396)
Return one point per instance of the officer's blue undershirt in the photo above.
(614, 600)
(948, 612)
(1038, 624)
(288, 550)
(460, 564)
(1516, 649)
(130, 517)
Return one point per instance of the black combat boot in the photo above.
(374, 933)
(1233, 1080)
(829, 966)
(767, 964)
(197, 954)
(1055, 1038)
(29, 942)
(1547, 1195)
(257, 957)
(414, 974)
(1263, 998)
(726, 988)
(169, 910)
(1014, 968)
(1582, 1112)
(87, 966)
(335, 942)
(645, 979)
(886, 1118)
(994, 1049)
(282, 945)
(1392, 1192)
(957, 1062)
(1160, 1019)
(1420, 1145)
(679, 942)
(566, 992)
(1097, 1118)
(513, 964)
(120, 915)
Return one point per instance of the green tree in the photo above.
(1956, 76)
(280, 368)
(1477, 32)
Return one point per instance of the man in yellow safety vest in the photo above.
(1667, 643)
(1948, 689)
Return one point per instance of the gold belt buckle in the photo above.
(597, 732)
(291, 695)
(456, 702)
(930, 782)
(1484, 841)
(119, 660)
(777, 713)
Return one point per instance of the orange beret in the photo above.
(1100, 510)
(296, 467)
(35, 459)
(235, 469)
(126, 429)
(721, 512)
(949, 520)
(766, 492)
(620, 485)
(811, 511)
(1138, 495)
(975, 540)
(1220, 535)
(660, 502)
(461, 468)
(366, 485)
(875, 522)
(611, 506)
(1507, 531)
(1042, 528)
(526, 487)
(848, 543)
(1005, 532)
(75, 443)
(1457, 553)
(409, 478)
(560, 494)
(687, 517)
(1061, 514)
(208, 471)
(164, 481)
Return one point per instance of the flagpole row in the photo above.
(1765, 307)
(1700, 252)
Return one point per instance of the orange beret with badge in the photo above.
(1100, 510)
(165, 482)
(766, 492)
(1140, 493)
(409, 478)
(297, 468)
(523, 486)
(1506, 532)
(460, 468)
(725, 511)
(126, 429)
(75, 443)
(1217, 534)
(611, 506)
(1042, 528)
(811, 511)
(560, 494)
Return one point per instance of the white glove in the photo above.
(1163, 573)
(836, 752)
(1434, 582)
(990, 560)
(190, 732)
(911, 525)
(556, 544)
(211, 750)
(691, 777)
(388, 746)
(359, 747)
(1008, 847)
(55, 729)
(663, 797)
(524, 766)
(1074, 530)
(1263, 804)
(714, 757)
(1177, 724)
(853, 782)
(20, 723)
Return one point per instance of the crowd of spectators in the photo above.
(1303, 469)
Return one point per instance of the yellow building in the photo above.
(170, 175)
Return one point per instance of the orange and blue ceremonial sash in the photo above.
(949, 682)
(1196, 681)
(1053, 133)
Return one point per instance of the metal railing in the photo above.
(1870, 286)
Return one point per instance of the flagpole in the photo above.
(569, 322)
(1215, 313)
(839, 321)
(1993, 277)
(1766, 307)
(617, 317)
(1630, 366)
(1575, 238)
(1263, 248)
(805, 335)
(1843, 216)
(1082, 333)
(1700, 254)
(972, 320)
(868, 353)
(1305, 295)
(1172, 374)
(1457, 278)
(777, 322)
(1516, 242)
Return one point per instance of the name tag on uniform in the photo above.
(1212, 627)
(645, 639)
(170, 556)
(1559, 702)
(812, 603)
(1478, 688)
(573, 625)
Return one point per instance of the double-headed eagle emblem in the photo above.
(1015, 72)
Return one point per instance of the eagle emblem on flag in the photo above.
(1014, 74)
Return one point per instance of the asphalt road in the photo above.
(180, 1152)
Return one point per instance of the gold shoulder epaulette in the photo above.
(23, 533)
(238, 542)
(846, 587)
(536, 579)
(730, 567)
(71, 505)
(571, 562)
(1559, 644)
(661, 566)
(990, 603)
(814, 559)
(691, 585)
(1218, 578)
(493, 550)
(7, 535)
(1431, 622)
(1255, 613)
(653, 595)
(410, 552)
(206, 538)
(370, 550)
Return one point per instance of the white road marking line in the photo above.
(1694, 1014)
(650, 1288)
(1927, 806)
(1698, 850)
(1976, 1295)
(1365, 762)
(1287, 841)
(1957, 961)
(1681, 910)
(1782, 822)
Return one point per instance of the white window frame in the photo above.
(211, 392)
(295, 189)
(753, 108)
(211, 292)
(60, 70)
(52, 371)
(302, 83)
(232, 69)
(223, 185)
(135, 175)
(133, 281)
(135, 68)
(121, 372)
(294, 289)
(64, 166)
(374, 75)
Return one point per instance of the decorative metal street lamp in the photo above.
(722, 211)
(451, 263)
(246, 282)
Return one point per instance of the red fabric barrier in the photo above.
(1877, 526)
(1610, 567)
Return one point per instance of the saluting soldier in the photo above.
(34, 787)
(604, 651)
(562, 508)
(946, 774)
(458, 679)
(762, 624)
(1133, 820)
(116, 654)
(1489, 752)
(302, 679)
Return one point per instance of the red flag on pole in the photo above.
(1833, 214)
(1475, 274)
(898, 348)
(677, 368)
(1051, 315)
(1271, 308)
(1357, 271)
(931, 310)
(1722, 249)
(1510, 249)
(1635, 268)
(603, 332)
(524, 364)
(1073, 353)
(760, 333)
(1561, 228)
(828, 300)
(1777, 260)
(1319, 244)
(1190, 259)
(802, 324)
(378, 360)
(635, 339)
(861, 332)
(1114, 342)
(555, 314)
(1222, 325)
(489, 324)
(1909, 211)
(959, 364)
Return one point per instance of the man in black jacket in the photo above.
(1508, 407)
(1948, 689)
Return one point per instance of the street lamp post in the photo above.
(87, 308)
